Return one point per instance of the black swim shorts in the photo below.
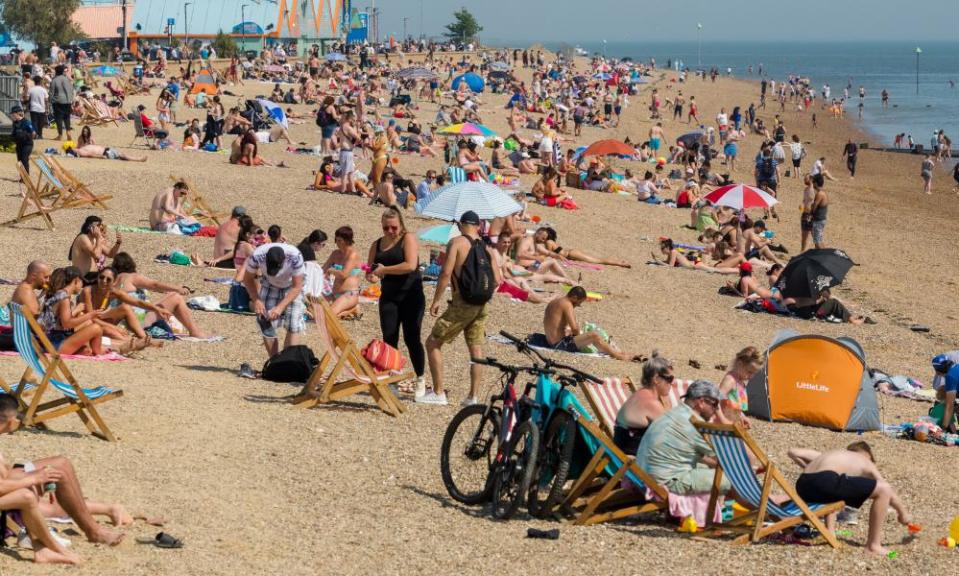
(828, 486)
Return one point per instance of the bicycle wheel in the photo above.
(552, 466)
(512, 475)
(467, 453)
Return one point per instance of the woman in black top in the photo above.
(394, 260)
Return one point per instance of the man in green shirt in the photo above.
(674, 452)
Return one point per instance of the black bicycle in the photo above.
(472, 470)
(556, 413)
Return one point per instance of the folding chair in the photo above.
(32, 205)
(140, 132)
(733, 445)
(456, 174)
(44, 362)
(606, 399)
(94, 113)
(195, 203)
(73, 191)
(347, 361)
(611, 501)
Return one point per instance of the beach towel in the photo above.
(225, 280)
(107, 357)
(496, 338)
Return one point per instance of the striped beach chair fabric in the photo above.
(456, 174)
(733, 446)
(45, 370)
(606, 399)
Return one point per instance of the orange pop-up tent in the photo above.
(204, 82)
(815, 380)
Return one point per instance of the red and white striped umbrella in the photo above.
(741, 197)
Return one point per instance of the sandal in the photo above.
(162, 540)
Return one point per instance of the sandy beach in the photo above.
(255, 486)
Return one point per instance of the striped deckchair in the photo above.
(44, 363)
(456, 174)
(732, 446)
(606, 399)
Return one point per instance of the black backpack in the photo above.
(292, 364)
(476, 281)
(322, 118)
(766, 170)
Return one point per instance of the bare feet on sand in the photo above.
(877, 550)
(104, 536)
(48, 556)
(119, 516)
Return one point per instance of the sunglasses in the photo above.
(390, 228)
(668, 378)
(712, 402)
(105, 278)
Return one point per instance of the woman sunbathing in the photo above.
(527, 257)
(344, 265)
(71, 330)
(117, 306)
(499, 160)
(469, 160)
(325, 180)
(136, 285)
(546, 191)
(545, 240)
(673, 256)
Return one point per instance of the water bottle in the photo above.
(49, 487)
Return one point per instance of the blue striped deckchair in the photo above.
(456, 174)
(44, 363)
(732, 446)
(610, 502)
(73, 191)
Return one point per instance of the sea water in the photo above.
(873, 65)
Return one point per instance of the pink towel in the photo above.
(108, 357)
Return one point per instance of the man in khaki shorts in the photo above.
(460, 316)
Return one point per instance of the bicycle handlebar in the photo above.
(524, 347)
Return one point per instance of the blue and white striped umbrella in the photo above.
(451, 201)
(416, 73)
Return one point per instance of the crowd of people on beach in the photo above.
(367, 117)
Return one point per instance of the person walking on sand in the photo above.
(849, 152)
(850, 476)
(466, 252)
(926, 173)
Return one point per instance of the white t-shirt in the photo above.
(816, 168)
(38, 98)
(722, 119)
(796, 148)
(292, 266)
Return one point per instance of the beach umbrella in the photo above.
(495, 74)
(275, 111)
(416, 73)
(602, 76)
(104, 71)
(741, 197)
(690, 138)
(467, 129)
(449, 202)
(335, 57)
(441, 234)
(474, 81)
(499, 66)
(609, 148)
(812, 271)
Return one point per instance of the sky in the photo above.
(527, 21)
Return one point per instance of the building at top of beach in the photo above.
(252, 23)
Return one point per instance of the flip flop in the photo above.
(164, 540)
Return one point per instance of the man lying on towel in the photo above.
(562, 330)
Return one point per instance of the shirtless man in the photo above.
(25, 294)
(849, 475)
(460, 316)
(225, 240)
(656, 138)
(562, 332)
(166, 212)
(97, 151)
(755, 245)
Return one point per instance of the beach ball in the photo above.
(954, 529)
(660, 161)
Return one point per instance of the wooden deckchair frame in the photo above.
(76, 193)
(594, 405)
(196, 205)
(759, 517)
(38, 413)
(92, 116)
(347, 361)
(610, 502)
(32, 205)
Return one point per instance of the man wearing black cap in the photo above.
(460, 316)
(277, 296)
(22, 136)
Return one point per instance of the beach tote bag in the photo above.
(382, 356)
